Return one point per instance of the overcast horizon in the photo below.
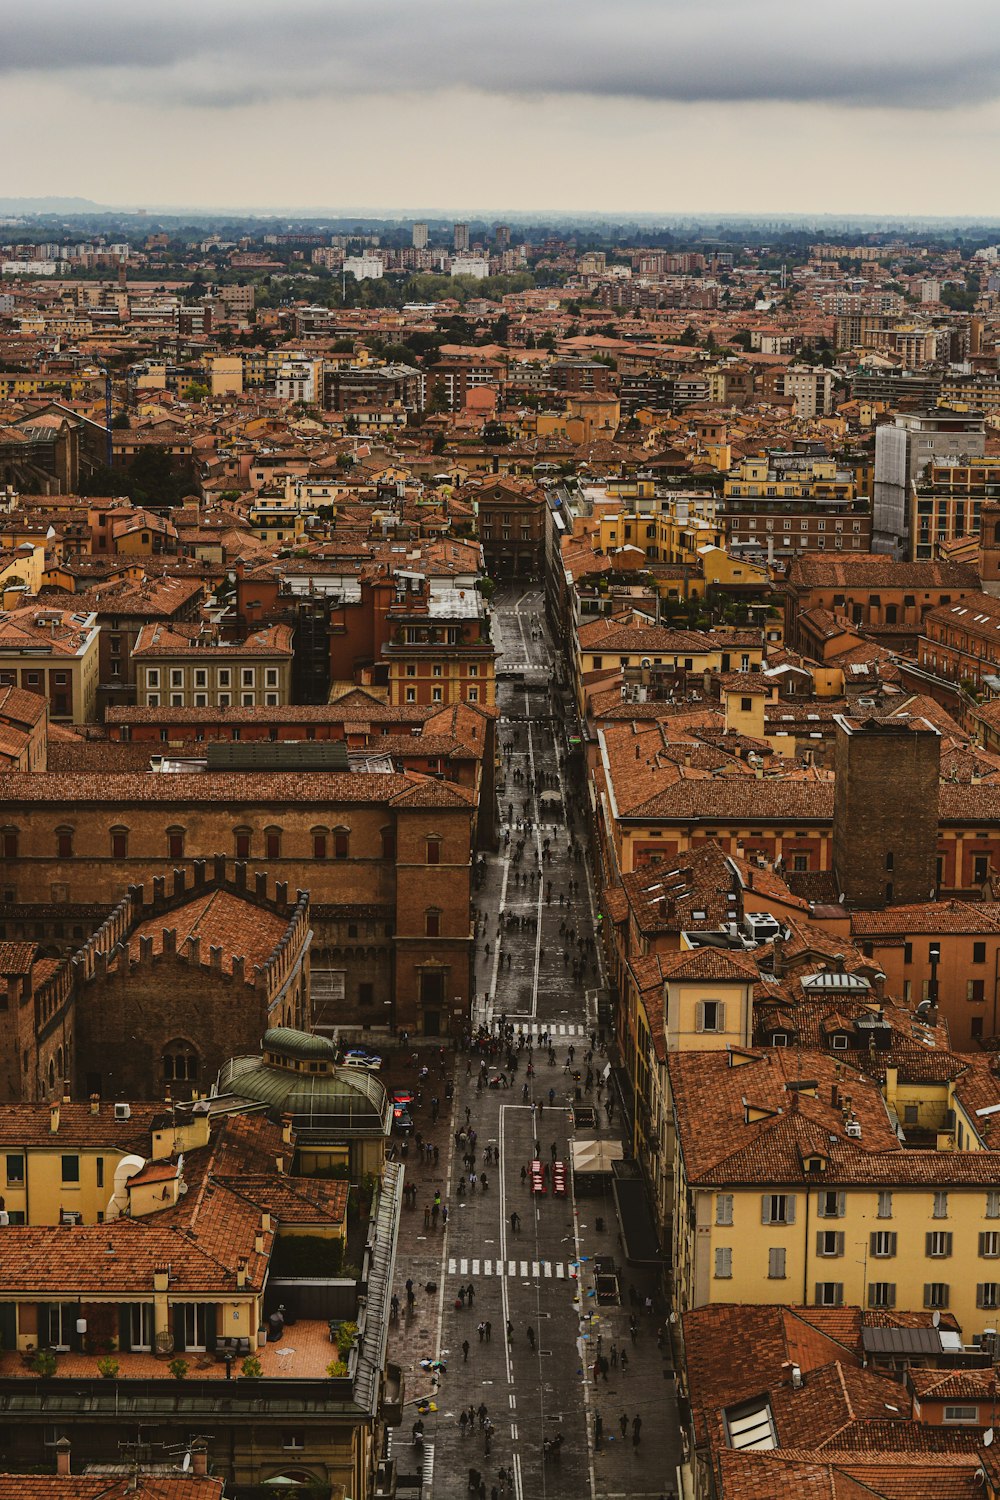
(657, 107)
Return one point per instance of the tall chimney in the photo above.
(63, 1451)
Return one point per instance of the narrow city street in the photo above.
(533, 1324)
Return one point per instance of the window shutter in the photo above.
(841, 1205)
(818, 1299)
(947, 1243)
(993, 1205)
(840, 1242)
(720, 1015)
(765, 1208)
(125, 1327)
(699, 1012)
(211, 1324)
(790, 1208)
(892, 1243)
(928, 1242)
(776, 1263)
(724, 1208)
(890, 1291)
(984, 1241)
(821, 1242)
(723, 1261)
(873, 1241)
(981, 1294)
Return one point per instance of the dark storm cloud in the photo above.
(884, 53)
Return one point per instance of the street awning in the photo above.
(595, 1158)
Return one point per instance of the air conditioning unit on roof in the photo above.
(123, 1111)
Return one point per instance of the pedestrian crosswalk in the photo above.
(567, 1030)
(522, 1270)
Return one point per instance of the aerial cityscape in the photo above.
(499, 752)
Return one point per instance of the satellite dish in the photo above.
(936, 1320)
(988, 1438)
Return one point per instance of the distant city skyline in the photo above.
(654, 106)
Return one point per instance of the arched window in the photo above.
(119, 842)
(241, 839)
(319, 840)
(175, 842)
(180, 1063)
(64, 843)
(432, 922)
(341, 843)
(272, 843)
(52, 1074)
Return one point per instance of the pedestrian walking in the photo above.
(624, 1361)
(614, 1356)
(598, 1430)
(482, 1332)
(465, 1351)
(623, 1424)
(636, 1431)
(470, 1292)
(427, 1216)
(515, 1222)
(531, 1335)
(510, 1332)
(489, 1330)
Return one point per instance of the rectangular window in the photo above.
(341, 844)
(200, 677)
(829, 1294)
(940, 1203)
(885, 1204)
(99, 1169)
(71, 1169)
(319, 846)
(993, 1205)
(832, 1205)
(224, 677)
(242, 846)
(776, 1263)
(433, 851)
(176, 677)
(272, 845)
(989, 1244)
(937, 1243)
(723, 1208)
(271, 677)
(883, 1243)
(975, 989)
(829, 1243)
(936, 1294)
(778, 1208)
(711, 1015)
(979, 953)
(962, 1414)
(152, 677)
(248, 677)
(881, 1294)
(15, 1170)
(723, 1263)
(432, 924)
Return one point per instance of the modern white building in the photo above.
(470, 265)
(364, 267)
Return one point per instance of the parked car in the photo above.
(359, 1057)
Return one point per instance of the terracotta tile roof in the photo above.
(927, 917)
(219, 919)
(273, 788)
(873, 570)
(126, 1485)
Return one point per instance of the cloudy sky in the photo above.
(657, 106)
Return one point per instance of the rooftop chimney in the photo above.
(199, 1459)
(63, 1451)
(54, 1119)
(95, 1104)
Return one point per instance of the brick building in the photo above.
(385, 857)
(169, 987)
(885, 843)
(511, 527)
(888, 599)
